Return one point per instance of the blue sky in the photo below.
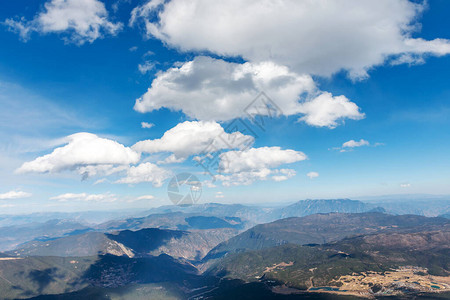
(57, 80)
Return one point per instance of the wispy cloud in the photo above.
(14, 195)
(147, 125)
(312, 175)
(85, 197)
(351, 144)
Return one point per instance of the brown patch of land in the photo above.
(278, 266)
(395, 282)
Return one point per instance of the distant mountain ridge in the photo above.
(187, 218)
(320, 229)
(140, 243)
(309, 207)
(13, 236)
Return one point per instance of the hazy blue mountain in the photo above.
(447, 216)
(309, 207)
(12, 236)
(236, 215)
(91, 217)
(426, 207)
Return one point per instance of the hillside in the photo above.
(23, 278)
(394, 263)
(151, 241)
(175, 221)
(319, 229)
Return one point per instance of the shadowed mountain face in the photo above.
(145, 240)
(32, 276)
(151, 241)
(319, 229)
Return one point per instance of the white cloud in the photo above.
(171, 159)
(7, 205)
(189, 138)
(80, 20)
(102, 180)
(133, 49)
(405, 185)
(146, 67)
(209, 184)
(14, 195)
(219, 195)
(353, 143)
(85, 197)
(283, 174)
(248, 177)
(258, 159)
(350, 145)
(148, 53)
(326, 110)
(313, 37)
(146, 197)
(312, 175)
(86, 153)
(147, 125)
(146, 172)
(213, 89)
(247, 166)
(243, 178)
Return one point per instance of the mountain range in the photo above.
(313, 249)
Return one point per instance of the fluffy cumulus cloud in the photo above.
(85, 197)
(213, 89)
(80, 21)
(326, 110)
(314, 37)
(14, 195)
(189, 138)
(86, 153)
(257, 159)
(146, 172)
(243, 167)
